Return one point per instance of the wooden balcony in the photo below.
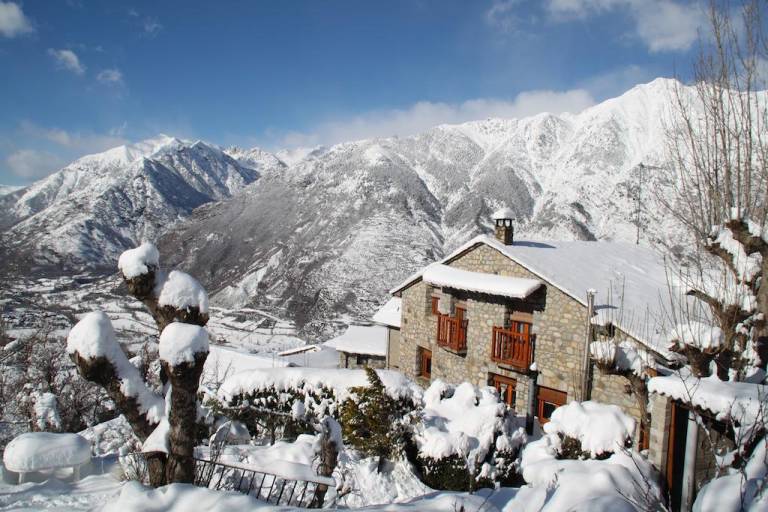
(512, 348)
(452, 333)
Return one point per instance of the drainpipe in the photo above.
(689, 468)
(585, 364)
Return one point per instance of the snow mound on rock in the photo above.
(35, 451)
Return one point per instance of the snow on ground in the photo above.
(46, 306)
(54, 494)
(396, 484)
(608, 485)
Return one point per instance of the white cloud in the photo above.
(82, 142)
(502, 15)
(110, 76)
(662, 25)
(31, 164)
(67, 59)
(13, 22)
(617, 81)
(425, 115)
(151, 26)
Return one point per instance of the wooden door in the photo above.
(425, 363)
(506, 387)
(678, 432)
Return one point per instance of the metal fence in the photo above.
(265, 486)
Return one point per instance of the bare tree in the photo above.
(717, 138)
(716, 135)
(172, 299)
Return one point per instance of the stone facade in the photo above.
(559, 328)
(358, 361)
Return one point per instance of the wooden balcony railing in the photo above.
(511, 348)
(452, 333)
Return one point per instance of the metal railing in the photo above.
(269, 487)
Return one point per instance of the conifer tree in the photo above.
(371, 420)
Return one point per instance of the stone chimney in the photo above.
(505, 231)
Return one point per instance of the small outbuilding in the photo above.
(361, 345)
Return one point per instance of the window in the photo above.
(425, 363)
(548, 400)
(523, 328)
(435, 301)
(505, 386)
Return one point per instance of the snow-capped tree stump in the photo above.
(330, 446)
(179, 306)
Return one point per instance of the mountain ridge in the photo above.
(324, 237)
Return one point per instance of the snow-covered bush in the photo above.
(281, 403)
(465, 438)
(590, 430)
(581, 463)
(40, 391)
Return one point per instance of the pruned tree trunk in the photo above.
(184, 380)
(329, 456)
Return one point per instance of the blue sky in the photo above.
(80, 76)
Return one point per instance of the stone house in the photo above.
(520, 315)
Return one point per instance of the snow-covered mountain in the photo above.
(88, 212)
(322, 233)
(8, 189)
(329, 236)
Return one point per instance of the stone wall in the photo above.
(558, 327)
(357, 361)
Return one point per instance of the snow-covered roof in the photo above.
(389, 314)
(362, 339)
(630, 280)
(742, 402)
(504, 213)
(438, 274)
(315, 356)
